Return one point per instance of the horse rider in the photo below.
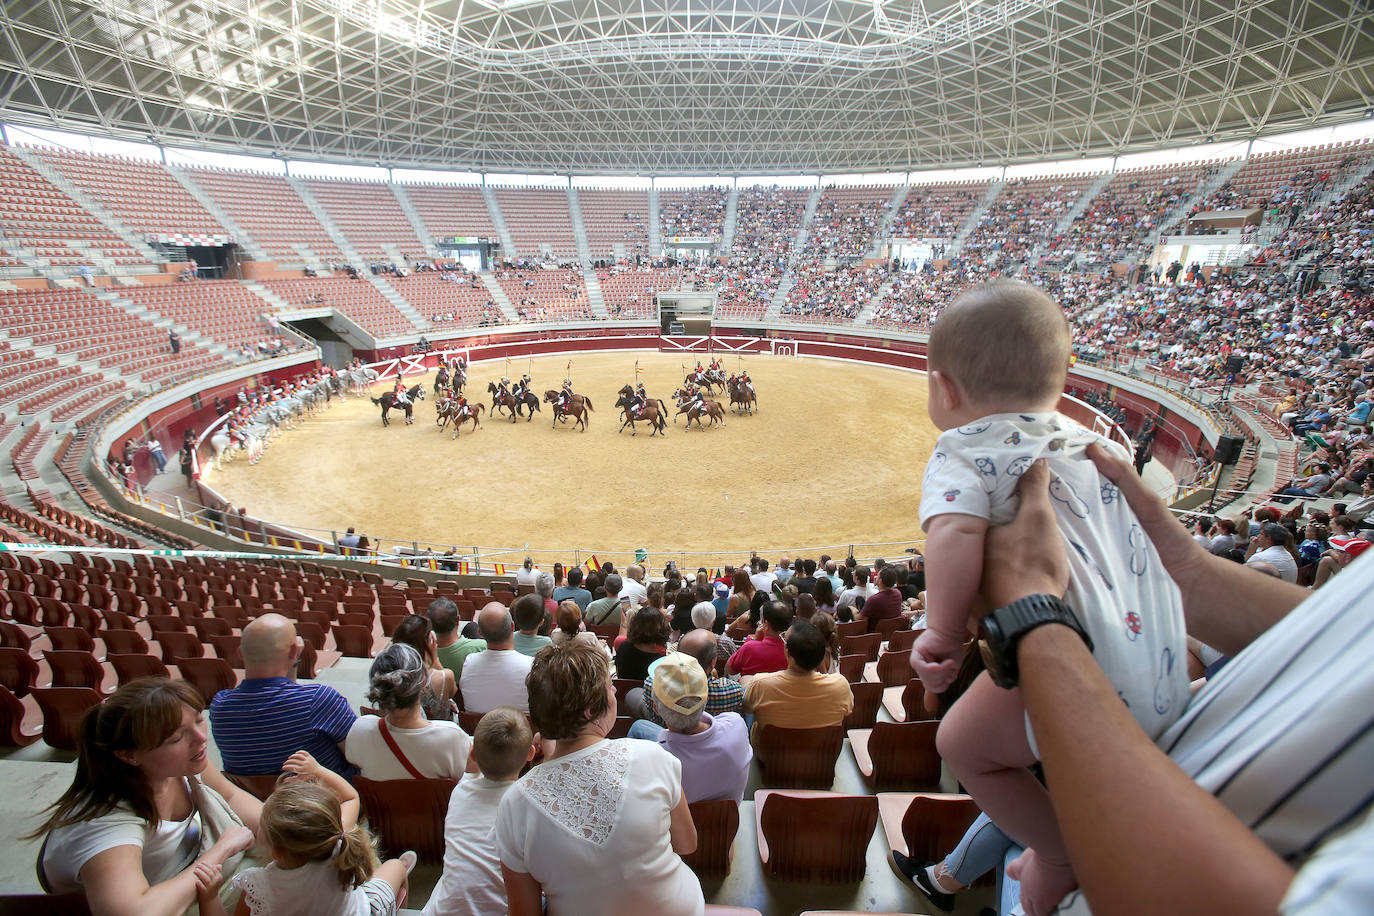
(746, 382)
(503, 390)
(715, 364)
(399, 397)
(442, 379)
(522, 388)
(565, 396)
(696, 400)
(460, 408)
(641, 398)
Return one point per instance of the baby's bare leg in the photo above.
(983, 740)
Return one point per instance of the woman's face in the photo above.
(182, 754)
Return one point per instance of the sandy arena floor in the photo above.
(834, 457)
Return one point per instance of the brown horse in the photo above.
(708, 408)
(704, 380)
(653, 411)
(742, 395)
(579, 408)
(472, 414)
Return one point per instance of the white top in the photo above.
(439, 750)
(1278, 558)
(312, 889)
(763, 581)
(638, 594)
(471, 883)
(1338, 880)
(167, 851)
(593, 829)
(1118, 586)
(850, 595)
(495, 678)
(1281, 735)
(525, 576)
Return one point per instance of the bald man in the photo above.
(496, 677)
(269, 717)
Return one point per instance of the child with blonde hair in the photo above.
(323, 863)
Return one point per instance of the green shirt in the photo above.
(451, 657)
(530, 645)
(604, 612)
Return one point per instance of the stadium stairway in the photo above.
(865, 315)
(975, 216)
(727, 231)
(774, 310)
(596, 299)
(498, 295)
(322, 217)
(143, 313)
(804, 230)
(655, 227)
(245, 242)
(402, 304)
(416, 221)
(1205, 187)
(584, 250)
(884, 226)
(95, 208)
(498, 219)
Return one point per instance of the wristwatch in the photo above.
(1003, 628)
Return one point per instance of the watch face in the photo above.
(986, 651)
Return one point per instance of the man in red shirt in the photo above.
(886, 602)
(764, 650)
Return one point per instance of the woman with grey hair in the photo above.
(543, 587)
(402, 743)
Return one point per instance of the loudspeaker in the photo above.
(1228, 449)
(1234, 364)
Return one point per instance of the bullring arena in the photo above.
(855, 436)
(225, 229)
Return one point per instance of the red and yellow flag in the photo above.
(592, 562)
(500, 568)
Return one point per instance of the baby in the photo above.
(998, 360)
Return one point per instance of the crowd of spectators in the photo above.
(695, 213)
(845, 224)
(935, 211)
(1022, 217)
(1125, 218)
(837, 295)
(767, 220)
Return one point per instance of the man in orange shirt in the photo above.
(799, 696)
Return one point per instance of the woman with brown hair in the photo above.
(744, 600)
(436, 699)
(599, 826)
(133, 831)
(646, 641)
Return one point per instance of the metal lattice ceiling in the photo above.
(685, 86)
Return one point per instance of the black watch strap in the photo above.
(1004, 628)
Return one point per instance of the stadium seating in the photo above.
(452, 211)
(370, 217)
(539, 221)
(271, 212)
(617, 222)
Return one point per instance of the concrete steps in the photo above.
(416, 222)
(727, 241)
(498, 296)
(655, 225)
(971, 223)
(880, 235)
(584, 249)
(596, 299)
(813, 201)
(336, 234)
(498, 220)
(246, 244)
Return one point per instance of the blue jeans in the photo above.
(643, 728)
(983, 848)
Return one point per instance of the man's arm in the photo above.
(1142, 836)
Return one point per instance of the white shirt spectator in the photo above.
(525, 576)
(439, 750)
(850, 595)
(763, 581)
(638, 594)
(495, 678)
(471, 881)
(1278, 558)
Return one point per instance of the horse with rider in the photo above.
(566, 403)
(742, 393)
(691, 401)
(637, 405)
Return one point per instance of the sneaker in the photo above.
(913, 872)
(408, 859)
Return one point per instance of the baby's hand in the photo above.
(208, 877)
(936, 658)
(302, 763)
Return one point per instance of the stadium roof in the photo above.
(685, 86)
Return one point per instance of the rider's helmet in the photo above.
(504, 380)
(525, 378)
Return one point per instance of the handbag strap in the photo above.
(396, 749)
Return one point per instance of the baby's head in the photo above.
(502, 743)
(1001, 347)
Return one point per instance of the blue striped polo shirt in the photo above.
(263, 721)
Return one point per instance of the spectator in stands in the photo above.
(764, 651)
(799, 696)
(268, 716)
(349, 542)
(188, 463)
(1223, 539)
(713, 748)
(126, 831)
(573, 591)
(633, 586)
(761, 575)
(404, 743)
(569, 627)
(784, 570)
(1310, 486)
(724, 694)
(646, 641)
(543, 587)
(174, 341)
(886, 602)
(471, 881)
(441, 684)
(607, 853)
(610, 610)
(496, 676)
(1271, 546)
(852, 599)
(450, 648)
(525, 575)
(528, 611)
(322, 860)
(745, 599)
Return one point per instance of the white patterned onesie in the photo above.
(1118, 587)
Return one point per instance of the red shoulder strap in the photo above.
(396, 749)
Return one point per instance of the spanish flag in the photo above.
(500, 568)
(592, 562)
(462, 568)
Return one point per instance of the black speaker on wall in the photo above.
(1228, 449)
(1234, 363)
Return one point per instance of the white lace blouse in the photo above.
(592, 829)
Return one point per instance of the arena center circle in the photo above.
(833, 457)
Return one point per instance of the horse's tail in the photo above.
(588, 401)
(376, 401)
(478, 408)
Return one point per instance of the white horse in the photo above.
(220, 443)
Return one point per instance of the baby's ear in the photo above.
(945, 389)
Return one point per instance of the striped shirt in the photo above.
(1284, 734)
(263, 721)
(723, 695)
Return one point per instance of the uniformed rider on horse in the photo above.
(503, 390)
(522, 388)
(639, 399)
(566, 395)
(746, 382)
(398, 394)
(696, 400)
